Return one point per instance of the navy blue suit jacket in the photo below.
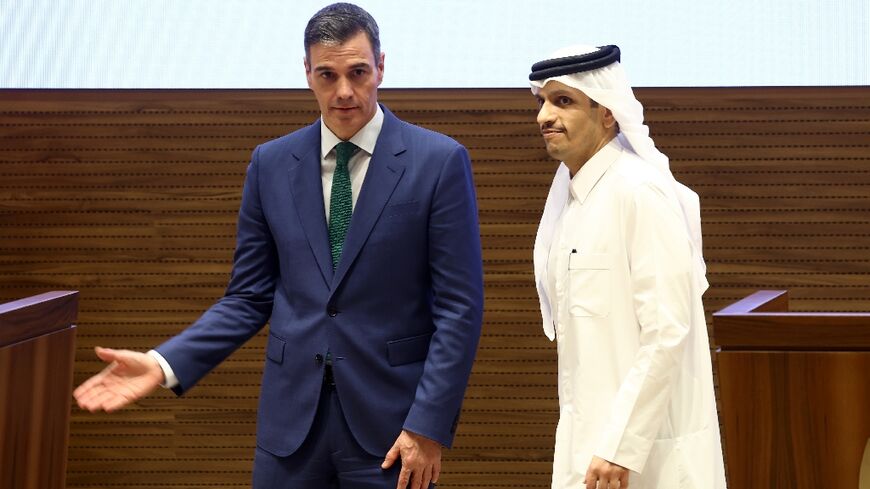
(401, 313)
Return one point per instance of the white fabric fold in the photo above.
(556, 200)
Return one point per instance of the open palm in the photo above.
(129, 376)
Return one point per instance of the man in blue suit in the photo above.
(365, 259)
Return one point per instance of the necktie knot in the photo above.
(343, 151)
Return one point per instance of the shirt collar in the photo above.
(592, 171)
(364, 139)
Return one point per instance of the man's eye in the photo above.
(326, 75)
(564, 101)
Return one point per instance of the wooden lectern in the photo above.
(794, 390)
(37, 349)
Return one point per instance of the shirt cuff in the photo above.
(171, 380)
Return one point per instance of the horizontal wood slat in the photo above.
(131, 198)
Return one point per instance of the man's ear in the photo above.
(380, 65)
(609, 120)
(307, 71)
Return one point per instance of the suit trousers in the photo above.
(329, 458)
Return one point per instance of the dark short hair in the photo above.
(336, 23)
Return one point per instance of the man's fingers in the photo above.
(85, 390)
(94, 381)
(426, 477)
(95, 403)
(404, 477)
(82, 392)
(391, 457)
(85, 398)
(115, 403)
(606, 480)
(436, 472)
(417, 479)
(591, 480)
(90, 390)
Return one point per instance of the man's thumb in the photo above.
(107, 355)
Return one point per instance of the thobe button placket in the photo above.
(562, 278)
(332, 312)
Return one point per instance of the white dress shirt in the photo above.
(365, 139)
(358, 165)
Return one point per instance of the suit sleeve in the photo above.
(457, 303)
(660, 268)
(245, 307)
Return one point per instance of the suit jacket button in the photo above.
(332, 312)
(318, 358)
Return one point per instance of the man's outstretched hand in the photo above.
(129, 377)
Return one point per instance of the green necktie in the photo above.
(341, 200)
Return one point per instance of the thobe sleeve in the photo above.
(660, 276)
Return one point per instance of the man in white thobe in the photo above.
(620, 276)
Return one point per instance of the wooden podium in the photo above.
(37, 349)
(794, 390)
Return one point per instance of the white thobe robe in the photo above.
(635, 377)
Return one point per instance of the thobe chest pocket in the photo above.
(589, 284)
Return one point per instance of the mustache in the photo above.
(550, 127)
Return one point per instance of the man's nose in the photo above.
(343, 89)
(545, 115)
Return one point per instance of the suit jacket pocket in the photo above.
(275, 349)
(401, 209)
(408, 350)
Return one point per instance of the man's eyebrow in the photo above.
(357, 66)
(561, 92)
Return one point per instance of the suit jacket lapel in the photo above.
(384, 172)
(307, 189)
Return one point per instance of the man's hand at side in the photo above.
(421, 460)
(602, 474)
(129, 377)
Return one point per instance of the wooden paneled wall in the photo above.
(131, 198)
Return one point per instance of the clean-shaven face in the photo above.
(345, 79)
